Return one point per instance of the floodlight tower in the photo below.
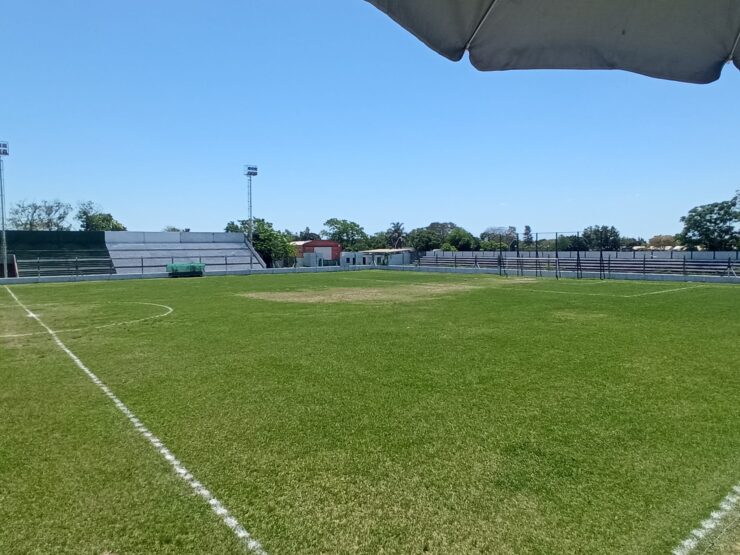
(4, 248)
(250, 171)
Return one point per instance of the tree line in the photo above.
(714, 226)
(55, 215)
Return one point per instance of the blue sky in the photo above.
(151, 108)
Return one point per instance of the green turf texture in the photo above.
(418, 413)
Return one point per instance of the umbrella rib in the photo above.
(734, 47)
(480, 24)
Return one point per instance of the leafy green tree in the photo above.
(431, 237)
(713, 226)
(395, 235)
(92, 218)
(564, 243)
(40, 216)
(498, 238)
(307, 235)
(375, 241)
(661, 241)
(462, 240)
(601, 237)
(349, 234)
(505, 235)
(527, 239)
(272, 245)
(423, 239)
(441, 229)
(574, 243)
(629, 242)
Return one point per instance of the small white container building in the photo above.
(376, 257)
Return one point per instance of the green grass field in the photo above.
(370, 412)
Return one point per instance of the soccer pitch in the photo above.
(368, 412)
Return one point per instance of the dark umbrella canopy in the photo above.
(682, 40)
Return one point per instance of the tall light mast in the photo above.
(4, 247)
(250, 171)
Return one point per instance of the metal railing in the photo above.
(605, 265)
(80, 266)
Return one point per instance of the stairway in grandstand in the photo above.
(147, 253)
(80, 253)
(59, 253)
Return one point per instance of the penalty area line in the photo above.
(179, 469)
(664, 291)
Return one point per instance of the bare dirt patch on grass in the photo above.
(405, 293)
(577, 316)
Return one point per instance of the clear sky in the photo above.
(150, 108)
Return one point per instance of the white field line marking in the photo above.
(664, 291)
(11, 305)
(570, 292)
(707, 526)
(216, 506)
(612, 296)
(168, 310)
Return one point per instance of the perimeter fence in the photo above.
(81, 265)
(603, 265)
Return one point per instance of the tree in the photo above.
(661, 241)
(601, 237)
(713, 226)
(307, 235)
(40, 216)
(441, 229)
(629, 242)
(377, 240)
(395, 235)
(174, 228)
(574, 243)
(462, 240)
(503, 234)
(527, 239)
(498, 238)
(423, 239)
(92, 218)
(272, 245)
(431, 237)
(346, 233)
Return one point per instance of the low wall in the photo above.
(172, 237)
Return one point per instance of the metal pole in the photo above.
(2, 218)
(249, 195)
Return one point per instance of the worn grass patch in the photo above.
(399, 293)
